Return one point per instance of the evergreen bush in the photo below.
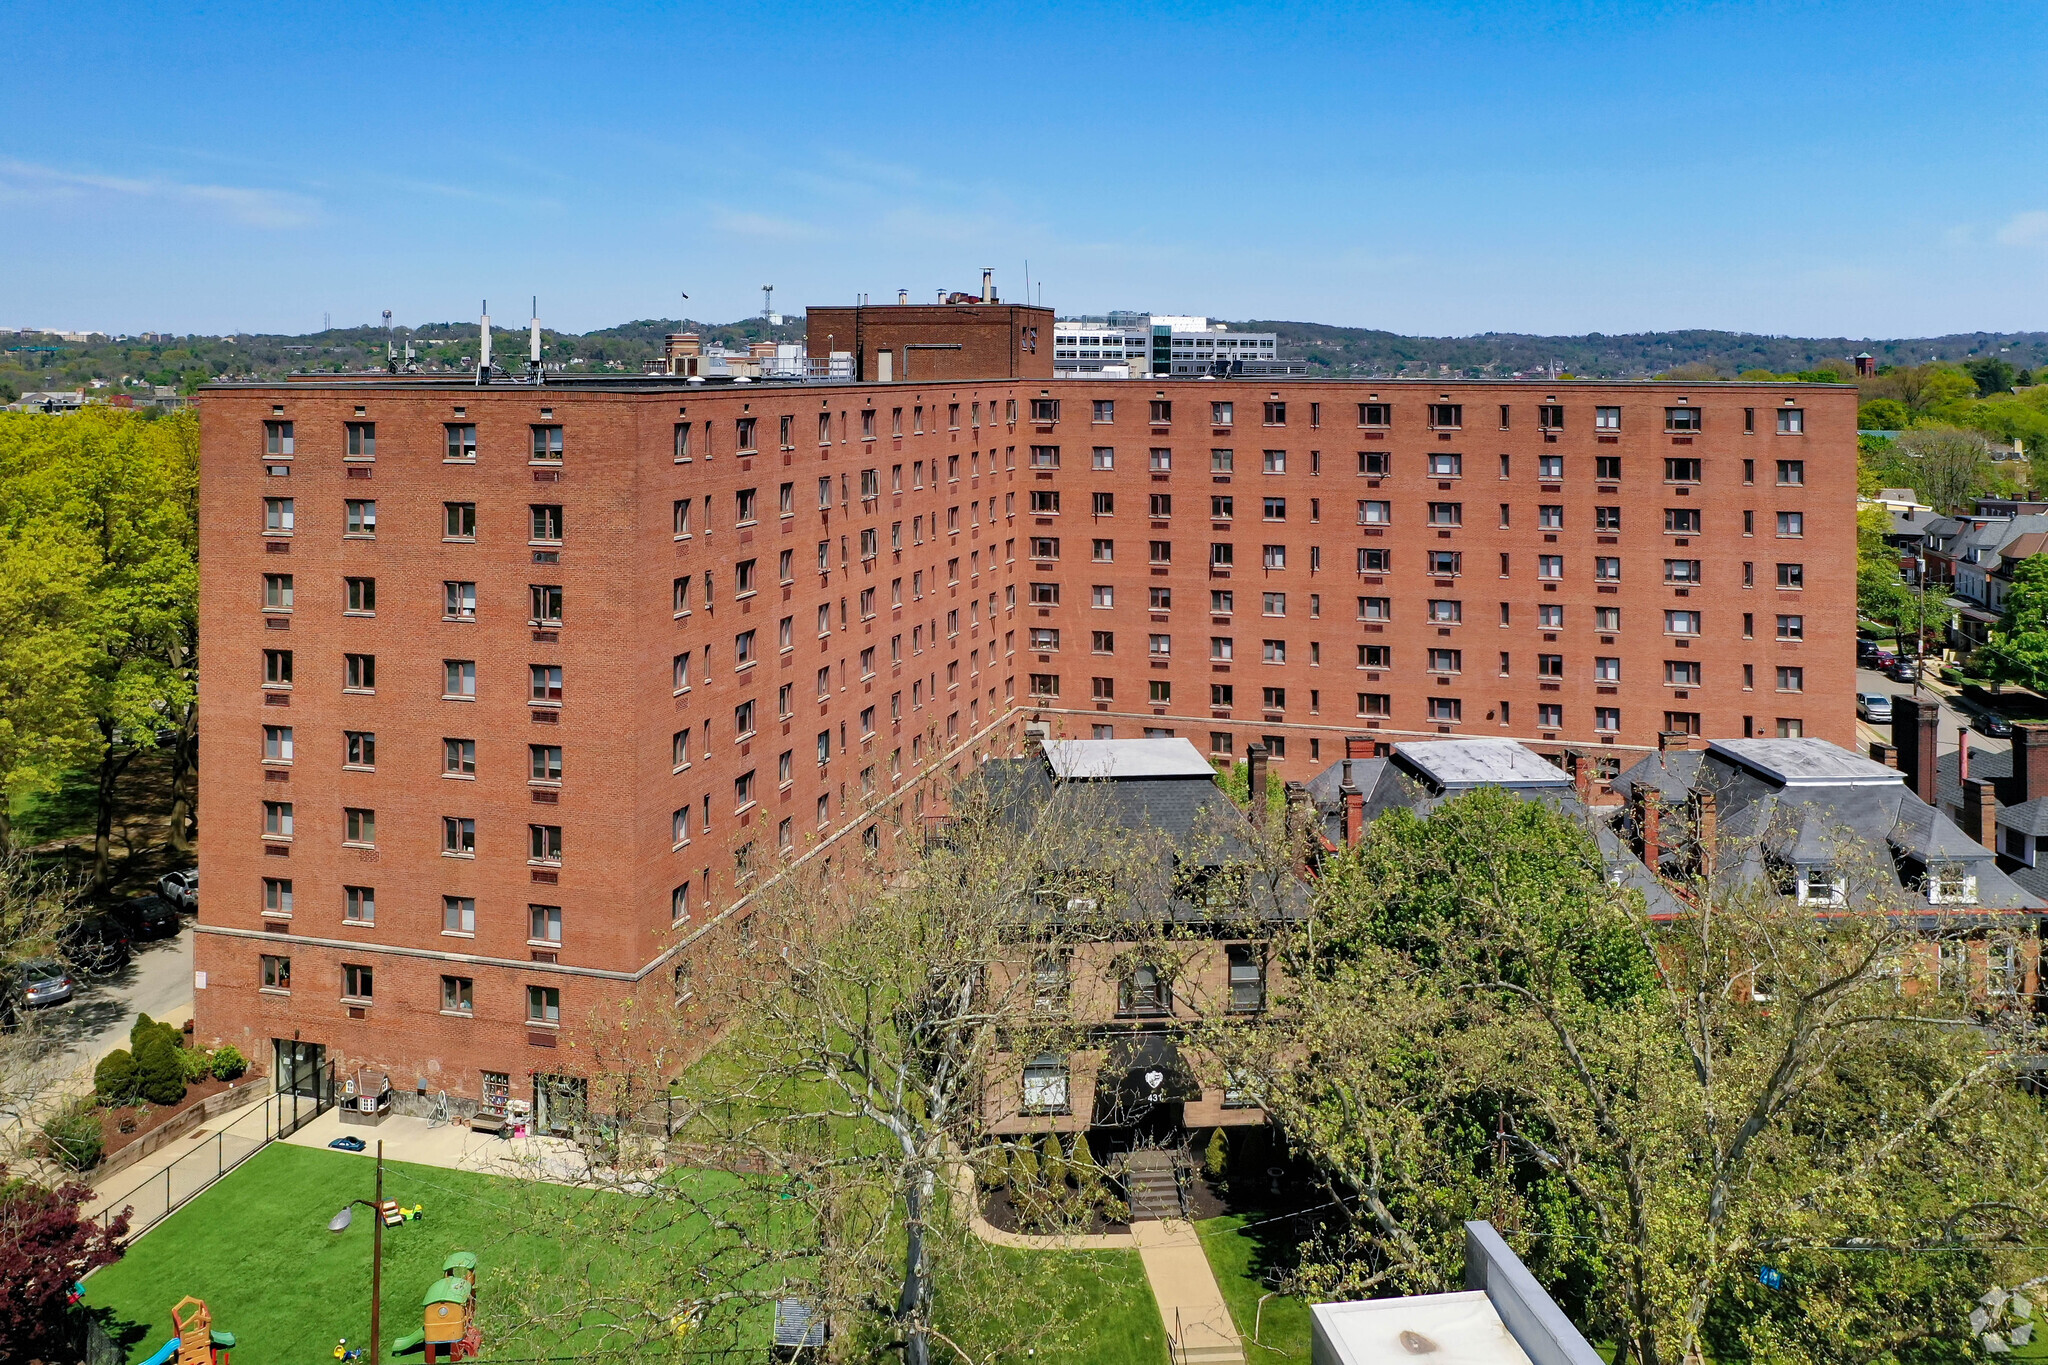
(1216, 1156)
(228, 1062)
(115, 1079)
(161, 1074)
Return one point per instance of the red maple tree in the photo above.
(45, 1248)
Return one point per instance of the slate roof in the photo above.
(1194, 815)
(1122, 758)
(2029, 818)
(1797, 802)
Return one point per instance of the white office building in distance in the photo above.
(1146, 346)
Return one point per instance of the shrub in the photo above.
(115, 1079)
(161, 1073)
(1023, 1165)
(72, 1137)
(45, 1248)
(228, 1062)
(195, 1064)
(1216, 1156)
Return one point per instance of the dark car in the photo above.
(1903, 671)
(149, 916)
(97, 942)
(1992, 724)
(1867, 651)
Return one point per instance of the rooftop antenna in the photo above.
(767, 300)
(533, 359)
(680, 311)
(390, 349)
(483, 363)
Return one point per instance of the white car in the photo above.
(180, 888)
(1874, 707)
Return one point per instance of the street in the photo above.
(69, 1039)
(1952, 719)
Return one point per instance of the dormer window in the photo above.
(1823, 886)
(1951, 884)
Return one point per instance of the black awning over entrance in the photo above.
(1140, 1072)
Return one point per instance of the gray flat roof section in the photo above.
(1481, 763)
(1806, 763)
(1123, 758)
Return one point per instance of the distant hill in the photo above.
(43, 361)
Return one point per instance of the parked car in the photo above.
(42, 982)
(97, 942)
(1992, 724)
(1903, 671)
(180, 889)
(1867, 650)
(1874, 707)
(149, 916)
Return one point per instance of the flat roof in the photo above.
(1448, 1329)
(1806, 763)
(1481, 763)
(1119, 758)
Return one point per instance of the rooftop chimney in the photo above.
(1886, 754)
(1670, 740)
(1255, 764)
(483, 362)
(1913, 730)
(988, 285)
(533, 360)
(2030, 761)
(1707, 829)
(1652, 809)
(1353, 801)
(1980, 811)
(1359, 746)
(902, 296)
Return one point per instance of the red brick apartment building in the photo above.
(505, 687)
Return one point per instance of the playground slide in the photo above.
(170, 1349)
(404, 1344)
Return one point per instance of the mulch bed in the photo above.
(158, 1116)
(1002, 1213)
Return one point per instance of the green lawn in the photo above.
(257, 1249)
(1100, 1299)
(1240, 1257)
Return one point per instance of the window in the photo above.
(1550, 517)
(1446, 661)
(1791, 680)
(1275, 462)
(1445, 710)
(358, 748)
(545, 600)
(1550, 566)
(1683, 470)
(1376, 704)
(1446, 514)
(1375, 561)
(1681, 419)
(1045, 594)
(1222, 461)
(359, 904)
(1549, 417)
(544, 843)
(543, 1005)
(1791, 422)
(1160, 599)
(458, 520)
(1045, 1085)
(1159, 646)
(1550, 616)
(359, 673)
(1791, 523)
(1375, 608)
(1445, 609)
(1275, 509)
(1681, 623)
(358, 825)
(457, 995)
(277, 439)
(547, 444)
(1681, 570)
(1045, 547)
(1683, 521)
(1444, 563)
(1144, 991)
(1682, 672)
(1606, 669)
(1607, 419)
(1607, 719)
(359, 517)
(545, 682)
(1549, 715)
(278, 516)
(356, 982)
(1223, 695)
(1791, 627)
(1247, 979)
(1044, 638)
(276, 973)
(1045, 684)
(1446, 415)
(1271, 604)
(1222, 555)
(1045, 457)
(277, 592)
(1550, 665)
(1222, 647)
(1160, 692)
(1791, 576)
(1273, 651)
(544, 762)
(1161, 460)
(1607, 467)
(1375, 513)
(1275, 556)
(461, 443)
(1045, 502)
(277, 744)
(458, 600)
(277, 819)
(1550, 466)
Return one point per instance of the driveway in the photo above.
(68, 1040)
(1952, 718)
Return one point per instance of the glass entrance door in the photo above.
(559, 1102)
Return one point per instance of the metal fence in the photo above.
(276, 1116)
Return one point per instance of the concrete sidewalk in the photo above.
(1190, 1303)
(454, 1147)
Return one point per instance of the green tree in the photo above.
(2016, 650)
(1992, 375)
(1479, 1024)
(1954, 466)
(1884, 414)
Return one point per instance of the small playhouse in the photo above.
(450, 1331)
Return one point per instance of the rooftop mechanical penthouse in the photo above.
(509, 689)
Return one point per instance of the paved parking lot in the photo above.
(1953, 719)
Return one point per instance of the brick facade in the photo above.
(948, 515)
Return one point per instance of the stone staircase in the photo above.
(1152, 1185)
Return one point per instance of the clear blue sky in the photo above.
(1847, 169)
